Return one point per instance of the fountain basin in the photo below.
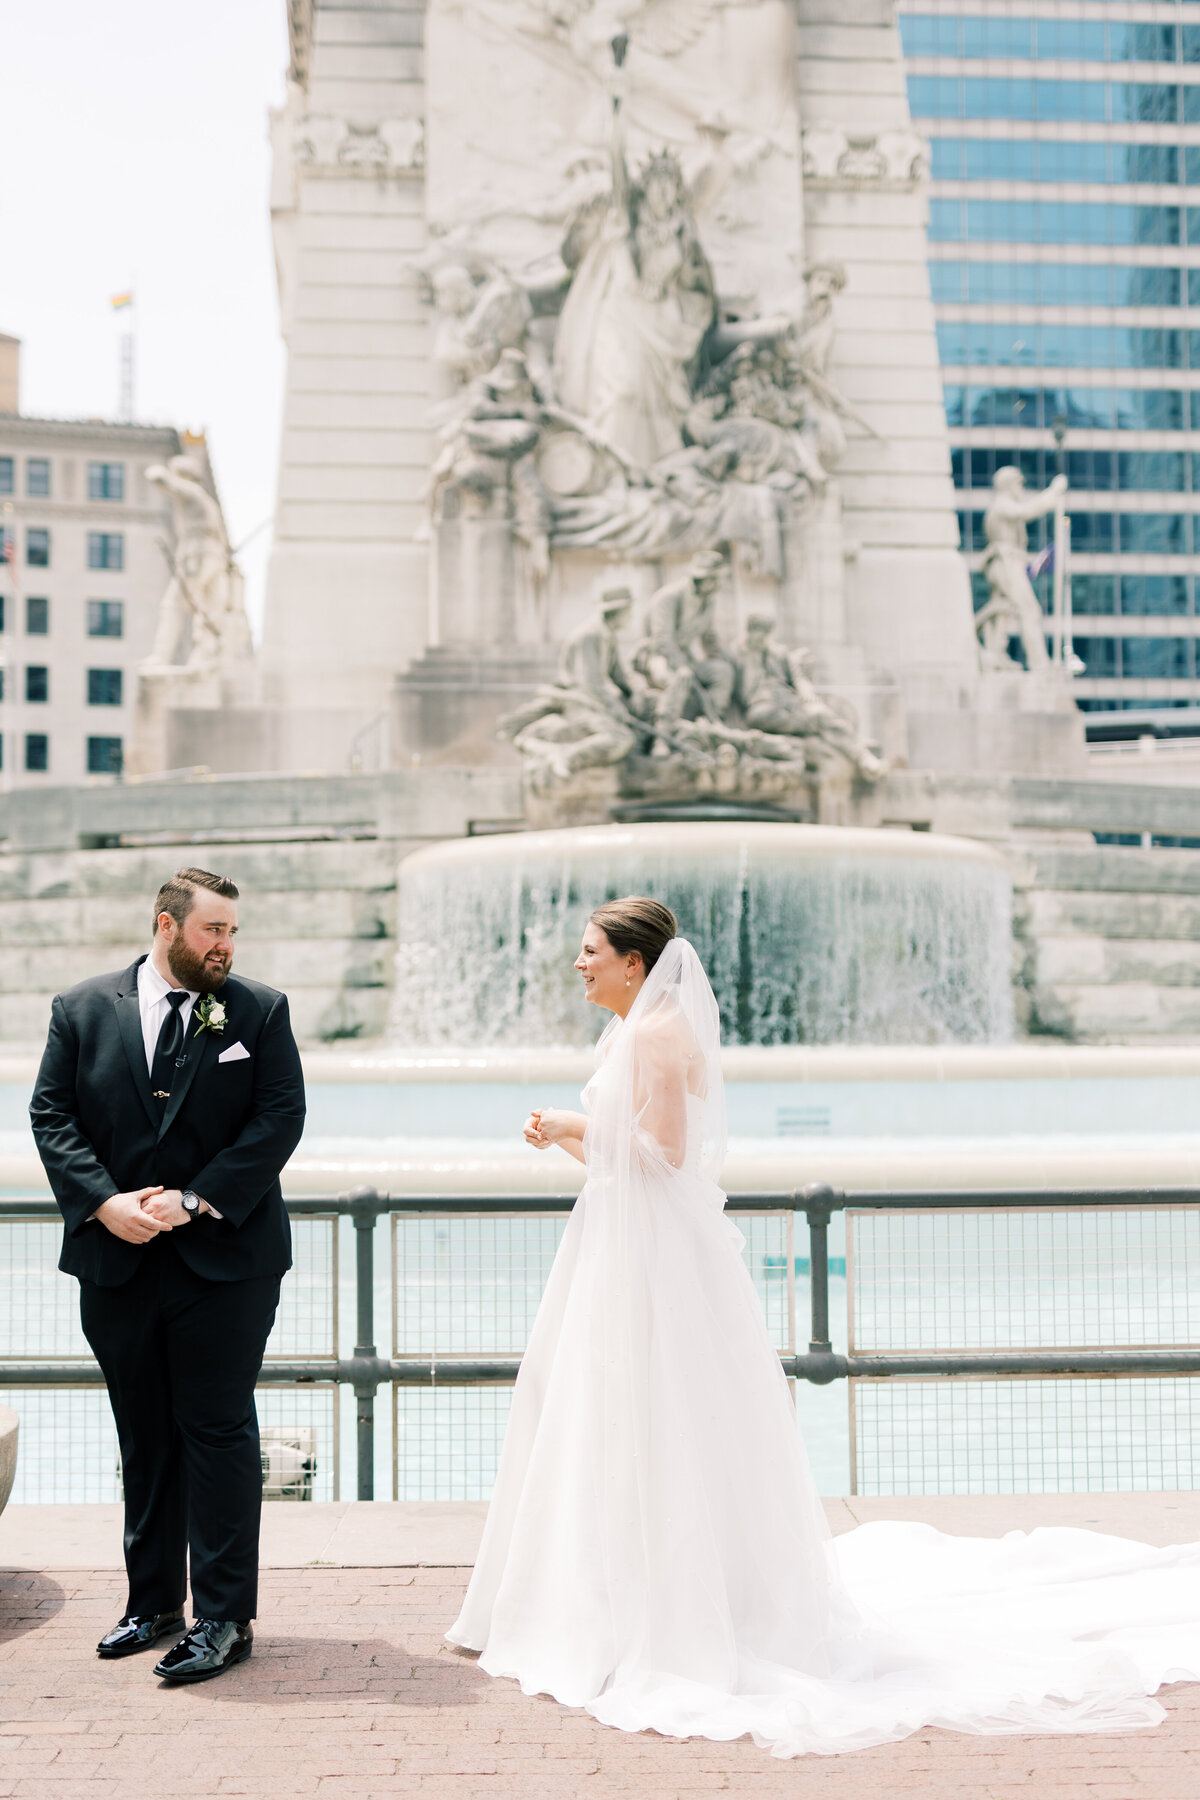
(811, 934)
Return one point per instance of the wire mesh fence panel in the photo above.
(292, 1408)
(447, 1441)
(1050, 1435)
(67, 1448)
(776, 1271)
(1024, 1279)
(307, 1321)
(39, 1306)
(470, 1285)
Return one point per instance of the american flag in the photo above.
(1042, 564)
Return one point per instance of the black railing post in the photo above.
(818, 1201)
(363, 1206)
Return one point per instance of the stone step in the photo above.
(1169, 964)
(1107, 868)
(314, 866)
(366, 913)
(1105, 915)
(287, 963)
(1120, 1012)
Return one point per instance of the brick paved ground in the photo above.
(351, 1693)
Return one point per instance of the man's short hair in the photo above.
(178, 895)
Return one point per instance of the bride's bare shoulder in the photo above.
(664, 1035)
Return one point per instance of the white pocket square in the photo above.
(235, 1053)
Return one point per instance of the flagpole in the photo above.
(1062, 536)
(125, 358)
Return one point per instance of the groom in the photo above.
(168, 1100)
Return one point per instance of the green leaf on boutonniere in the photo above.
(210, 1015)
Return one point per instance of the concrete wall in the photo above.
(1107, 938)
(315, 859)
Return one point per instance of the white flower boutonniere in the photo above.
(210, 1016)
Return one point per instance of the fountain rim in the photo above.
(709, 839)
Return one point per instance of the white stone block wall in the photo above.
(347, 589)
(907, 594)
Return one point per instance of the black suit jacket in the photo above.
(227, 1130)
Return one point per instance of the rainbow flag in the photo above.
(121, 300)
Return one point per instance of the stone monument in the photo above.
(574, 294)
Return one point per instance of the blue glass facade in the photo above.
(1064, 245)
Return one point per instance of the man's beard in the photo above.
(194, 972)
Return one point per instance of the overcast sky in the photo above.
(133, 153)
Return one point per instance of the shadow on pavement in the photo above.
(312, 1669)
(27, 1601)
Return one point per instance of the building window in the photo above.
(37, 683)
(106, 481)
(6, 474)
(104, 687)
(105, 755)
(2, 674)
(37, 477)
(3, 621)
(106, 618)
(37, 548)
(37, 752)
(37, 615)
(105, 550)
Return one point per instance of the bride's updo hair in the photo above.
(637, 923)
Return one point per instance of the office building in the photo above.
(1064, 263)
(86, 546)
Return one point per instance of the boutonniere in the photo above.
(210, 1016)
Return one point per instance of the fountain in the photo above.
(811, 934)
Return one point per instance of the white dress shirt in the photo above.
(152, 1001)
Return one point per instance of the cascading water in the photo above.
(810, 934)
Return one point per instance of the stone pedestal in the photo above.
(1017, 724)
(451, 700)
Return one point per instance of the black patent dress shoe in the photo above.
(208, 1649)
(134, 1633)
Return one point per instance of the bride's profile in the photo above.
(655, 1549)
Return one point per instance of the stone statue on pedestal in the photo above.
(203, 656)
(201, 620)
(1012, 608)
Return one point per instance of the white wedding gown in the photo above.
(655, 1549)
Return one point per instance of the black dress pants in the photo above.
(181, 1356)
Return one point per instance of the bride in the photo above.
(655, 1549)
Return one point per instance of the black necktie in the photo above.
(168, 1047)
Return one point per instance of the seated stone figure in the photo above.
(777, 698)
(590, 717)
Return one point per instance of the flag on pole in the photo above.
(120, 301)
(1042, 564)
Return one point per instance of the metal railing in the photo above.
(365, 1371)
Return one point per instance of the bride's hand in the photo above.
(534, 1134)
(549, 1125)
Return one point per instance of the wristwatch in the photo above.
(191, 1203)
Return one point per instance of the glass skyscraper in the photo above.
(1064, 246)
